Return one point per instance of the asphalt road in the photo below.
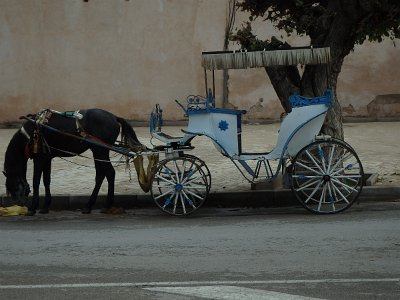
(283, 253)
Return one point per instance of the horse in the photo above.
(53, 134)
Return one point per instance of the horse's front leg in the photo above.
(46, 182)
(37, 174)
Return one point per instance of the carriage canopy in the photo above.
(219, 60)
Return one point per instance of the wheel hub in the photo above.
(178, 187)
(326, 178)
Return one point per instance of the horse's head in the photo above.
(18, 187)
(15, 166)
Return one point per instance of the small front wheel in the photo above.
(180, 185)
(327, 176)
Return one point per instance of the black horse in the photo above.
(68, 138)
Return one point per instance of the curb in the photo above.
(251, 198)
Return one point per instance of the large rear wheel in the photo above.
(327, 176)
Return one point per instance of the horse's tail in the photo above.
(129, 136)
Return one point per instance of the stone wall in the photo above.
(384, 106)
(125, 56)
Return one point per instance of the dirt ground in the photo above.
(376, 143)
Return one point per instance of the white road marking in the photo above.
(193, 283)
(227, 292)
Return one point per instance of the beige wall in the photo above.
(127, 56)
(371, 70)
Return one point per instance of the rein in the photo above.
(87, 139)
(83, 156)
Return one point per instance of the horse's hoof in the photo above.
(44, 211)
(86, 210)
(30, 213)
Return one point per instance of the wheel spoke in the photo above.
(195, 195)
(304, 186)
(331, 153)
(168, 171)
(341, 160)
(322, 156)
(313, 160)
(346, 186)
(167, 202)
(176, 171)
(183, 203)
(189, 200)
(188, 181)
(164, 194)
(164, 179)
(349, 177)
(183, 171)
(313, 192)
(322, 198)
(331, 197)
(190, 175)
(332, 188)
(175, 202)
(193, 183)
(162, 186)
(200, 186)
(310, 169)
(340, 193)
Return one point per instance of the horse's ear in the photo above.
(5, 174)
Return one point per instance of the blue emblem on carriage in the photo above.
(223, 125)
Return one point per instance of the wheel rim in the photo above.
(327, 176)
(180, 186)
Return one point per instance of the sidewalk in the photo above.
(374, 142)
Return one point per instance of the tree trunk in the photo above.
(313, 83)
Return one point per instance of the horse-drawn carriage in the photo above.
(325, 174)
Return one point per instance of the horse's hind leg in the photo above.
(110, 175)
(100, 175)
(46, 182)
(104, 169)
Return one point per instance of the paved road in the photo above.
(284, 253)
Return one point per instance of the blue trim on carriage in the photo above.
(214, 110)
(299, 101)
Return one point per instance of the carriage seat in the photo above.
(163, 137)
(156, 123)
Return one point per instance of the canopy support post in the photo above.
(213, 77)
(205, 79)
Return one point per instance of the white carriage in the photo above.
(324, 173)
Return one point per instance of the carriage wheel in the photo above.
(327, 176)
(180, 185)
(203, 167)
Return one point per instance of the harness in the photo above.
(36, 143)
